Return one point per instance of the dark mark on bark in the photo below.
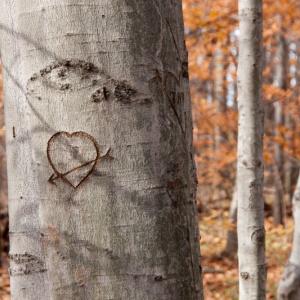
(56, 76)
(245, 275)
(252, 185)
(65, 86)
(62, 73)
(105, 93)
(158, 278)
(258, 236)
(185, 69)
(258, 163)
(200, 267)
(26, 263)
(34, 77)
(146, 101)
(85, 66)
(110, 254)
(100, 95)
(124, 92)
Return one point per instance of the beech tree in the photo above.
(289, 288)
(251, 232)
(101, 174)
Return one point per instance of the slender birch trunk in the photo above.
(251, 232)
(101, 174)
(289, 286)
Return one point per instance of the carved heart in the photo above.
(72, 157)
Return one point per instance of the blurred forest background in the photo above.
(212, 35)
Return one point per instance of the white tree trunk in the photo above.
(251, 232)
(289, 286)
(101, 175)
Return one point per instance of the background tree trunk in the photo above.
(251, 232)
(3, 203)
(289, 286)
(279, 172)
(219, 93)
(232, 238)
(101, 175)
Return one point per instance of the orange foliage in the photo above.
(211, 28)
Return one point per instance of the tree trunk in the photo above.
(101, 174)
(251, 232)
(288, 165)
(232, 238)
(289, 286)
(219, 93)
(281, 81)
(3, 201)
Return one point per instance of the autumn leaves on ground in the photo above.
(220, 274)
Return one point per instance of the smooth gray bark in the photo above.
(102, 180)
(251, 232)
(289, 286)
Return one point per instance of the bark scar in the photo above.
(22, 264)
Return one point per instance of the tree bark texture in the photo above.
(102, 180)
(251, 232)
(289, 286)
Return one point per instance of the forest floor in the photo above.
(220, 278)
